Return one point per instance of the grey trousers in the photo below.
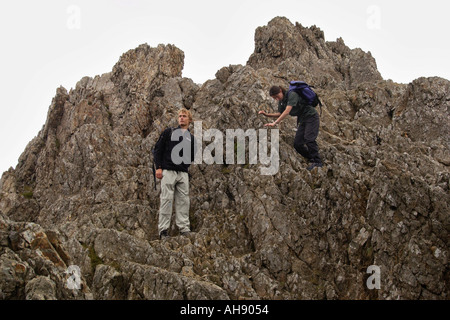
(174, 188)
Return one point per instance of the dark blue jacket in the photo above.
(165, 145)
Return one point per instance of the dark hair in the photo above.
(274, 90)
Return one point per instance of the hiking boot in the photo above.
(163, 235)
(314, 165)
(186, 233)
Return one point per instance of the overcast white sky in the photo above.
(49, 43)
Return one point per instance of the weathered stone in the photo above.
(82, 195)
(40, 288)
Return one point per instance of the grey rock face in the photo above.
(293, 51)
(78, 214)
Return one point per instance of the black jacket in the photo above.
(164, 146)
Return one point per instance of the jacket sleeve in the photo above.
(158, 151)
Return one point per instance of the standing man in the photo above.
(307, 120)
(174, 152)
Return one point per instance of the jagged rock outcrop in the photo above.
(294, 51)
(83, 194)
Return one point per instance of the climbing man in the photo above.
(174, 152)
(308, 122)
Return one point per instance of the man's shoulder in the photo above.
(292, 92)
(294, 99)
(168, 130)
(293, 95)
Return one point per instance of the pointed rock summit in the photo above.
(293, 51)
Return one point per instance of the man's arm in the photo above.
(270, 115)
(280, 117)
(159, 153)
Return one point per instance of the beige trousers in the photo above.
(174, 188)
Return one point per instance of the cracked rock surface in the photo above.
(82, 194)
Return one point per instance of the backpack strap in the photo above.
(320, 104)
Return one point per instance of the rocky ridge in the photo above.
(82, 194)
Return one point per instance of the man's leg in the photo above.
(166, 199)
(311, 132)
(182, 202)
(299, 142)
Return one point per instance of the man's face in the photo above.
(278, 96)
(183, 120)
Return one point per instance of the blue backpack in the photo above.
(306, 92)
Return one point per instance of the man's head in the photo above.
(276, 92)
(184, 118)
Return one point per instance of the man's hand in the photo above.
(263, 113)
(159, 174)
(273, 124)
